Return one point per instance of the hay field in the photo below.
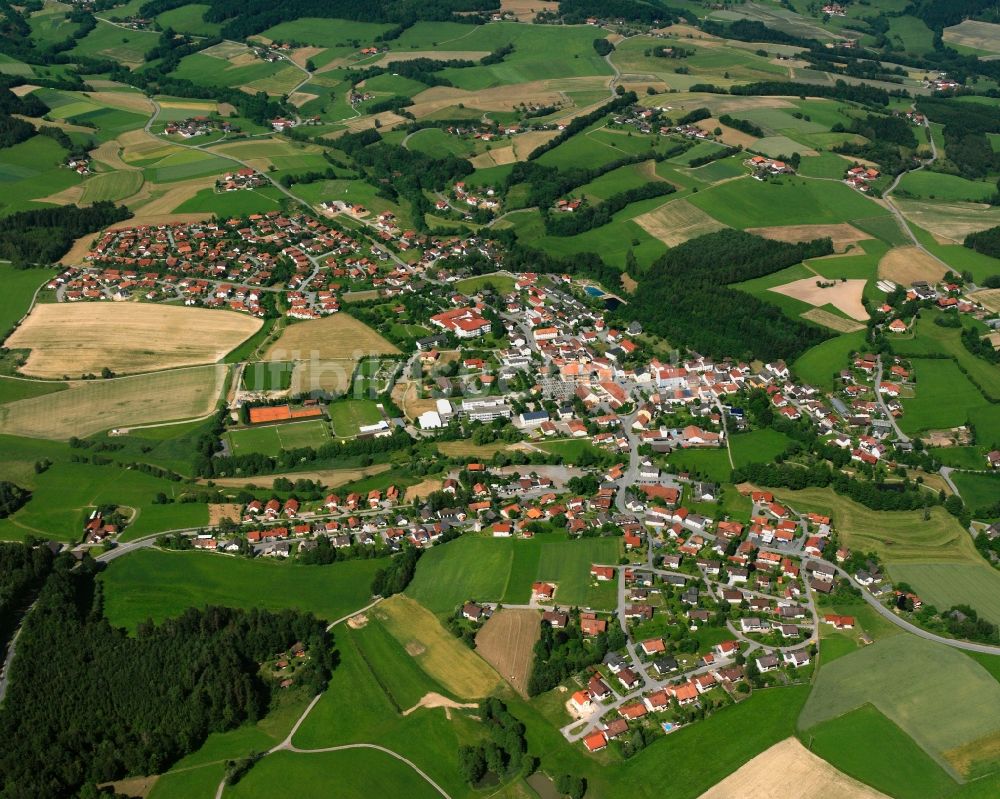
(525, 144)
(503, 98)
(831, 320)
(790, 771)
(525, 10)
(844, 295)
(337, 336)
(506, 641)
(331, 374)
(988, 298)
(327, 477)
(434, 55)
(971, 33)
(158, 204)
(730, 136)
(676, 222)
(495, 157)
(949, 222)
(841, 234)
(137, 145)
(79, 251)
(83, 338)
(127, 101)
(92, 406)
(299, 99)
(438, 652)
(906, 265)
(109, 153)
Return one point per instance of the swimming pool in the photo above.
(593, 291)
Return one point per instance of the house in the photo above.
(839, 622)
(653, 646)
(474, 612)
(628, 678)
(598, 689)
(580, 702)
(556, 619)
(602, 573)
(767, 663)
(596, 741)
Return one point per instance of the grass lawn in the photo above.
(788, 201)
(157, 584)
(567, 564)
(571, 449)
(469, 568)
(709, 462)
(819, 365)
(938, 186)
(866, 745)
(758, 446)
(271, 439)
(970, 457)
(899, 676)
(944, 396)
(13, 389)
(232, 203)
(977, 490)
(501, 283)
(946, 584)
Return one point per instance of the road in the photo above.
(885, 408)
(5, 670)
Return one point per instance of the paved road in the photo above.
(885, 408)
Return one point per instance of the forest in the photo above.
(45, 235)
(965, 129)
(591, 216)
(88, 703)
(710, 317)
(986, 242)
(23, 569)
(502, 753)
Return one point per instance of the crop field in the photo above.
(126, 337)
(944, 584)
(949, 221)
(337, 336)
(792, 201)
(159, 584)
(676, 222)
(111, 186)
(98, 405)
(944, 396)
(184, 164)
(437, 651)
(905, 265)
(866, 745)
(975, 34)
(349, 415)
(789, 769)
(506, 641)
(897, 536)
(30, 171)
(899, 676)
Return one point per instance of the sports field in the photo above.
(348, 416)
(902, 676)
(272, 439)
(158, 584)
(93, 406)
(80, 338)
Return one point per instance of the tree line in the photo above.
(558, 654)
(592, 216)
(44, 235)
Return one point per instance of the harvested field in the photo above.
(972, 33)
(386, 119)
(225, 50)
(337, 336)
(503, 98)
(675, 222)
(54, 123)
(950, 222)
(525, 10)
(137, 145)
(84, 338)
(24, 89)
(988, 298)
(495, 157)
(127, 101)
(164, 200)
(92, 406)
(69, 196)
(791, 771)
(225, 510)
(299, 99)
(730, 136)
(79, 250)
(505, 642)
(832, 321)
(466, 449)
(423, 489)
(842, 234)
(328, 477)
(905, 265)
(844, 295)
(526, 143)
(109, 153)
(438, 652)
(435, 55)
(300, 55)
(195, 106)
(332, 374)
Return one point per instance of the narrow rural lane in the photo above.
(885, 408)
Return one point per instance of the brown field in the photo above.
(133, 786)
(629, 283)
(224, 510)
(495, 157)
(407, 396)
(24, 89)
(300, 55)
(128, 101)
(905, 265)
(79, 250)
(328, 477)
(988, 298)
(730, 136)
(790, 771)
(69, 196)
(337, 336)
(332, 374)
(436, 55)
(843, 295)
(525, 10)
(505, 642)
(299, 99)
(526, 143)
(109, 153)
(83, 338)
(971, 33)
(423, 489)
(832, 321)
(91, 406)
(466, 449)
(502, 98)
(842, 234)
(162, 201)
(677, 221)
(950, 222)
(53, 123)
(438, 652)
(196, 106)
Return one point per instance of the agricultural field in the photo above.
(30, 172)
(337, 336)
(159, 584)
(944, 396)
(898, 676)
(506, 641)
(85, 338)
(945, 584)
(94, 406)
(20, 286)
(820, 365)
(978, 490)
